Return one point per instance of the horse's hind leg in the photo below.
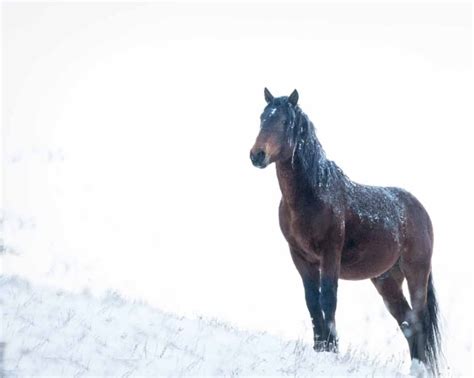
(417, 280)
(389, 286)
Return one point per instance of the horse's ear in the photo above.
(268, 96)
(293, 99)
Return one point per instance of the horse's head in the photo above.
(273, 141)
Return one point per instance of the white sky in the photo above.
(127, 129)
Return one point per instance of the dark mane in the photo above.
(308, 154)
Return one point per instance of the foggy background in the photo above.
(126, 137)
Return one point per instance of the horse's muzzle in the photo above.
(259, 159)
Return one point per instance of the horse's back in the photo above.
(376, 207)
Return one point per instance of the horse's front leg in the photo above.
(309, 273)
(330, 267)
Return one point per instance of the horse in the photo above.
(338, 229)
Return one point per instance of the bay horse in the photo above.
(337, 228)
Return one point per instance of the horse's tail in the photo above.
(431, 328)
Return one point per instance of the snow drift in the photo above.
(48, 331)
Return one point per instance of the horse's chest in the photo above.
(301, 232)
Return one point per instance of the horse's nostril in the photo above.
(257, 158)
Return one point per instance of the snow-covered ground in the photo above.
(50, 332)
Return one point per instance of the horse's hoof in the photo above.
(320, 346)
(325, 346)
(332, 347)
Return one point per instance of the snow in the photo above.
(51, 332)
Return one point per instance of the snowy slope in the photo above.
(51, 332)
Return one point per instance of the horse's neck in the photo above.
(293, 185)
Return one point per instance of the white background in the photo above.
(127, 130)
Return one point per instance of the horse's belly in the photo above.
(367, 263)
